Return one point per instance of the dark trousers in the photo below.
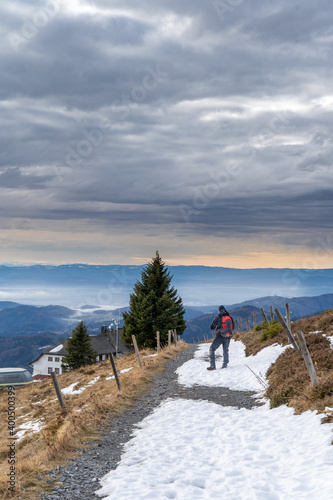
(225, 341)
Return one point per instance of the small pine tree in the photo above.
(154, 305)
(80, 351)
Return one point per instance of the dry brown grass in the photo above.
(323, 322)
(252, 344)
(288, 378)
(63, 433)
(289, 381)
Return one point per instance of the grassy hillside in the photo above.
(288, 379)
(58, 433)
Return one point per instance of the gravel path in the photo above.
(80, 476)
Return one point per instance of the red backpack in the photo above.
(228, 333)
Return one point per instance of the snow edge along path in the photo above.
(219, 452)
(237, 376)
(214, 450)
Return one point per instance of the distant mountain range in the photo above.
(20, 351)
(110, 286)
(198, 327)
(25, 330)
(23, 320)
(99, 294)
(299, 306)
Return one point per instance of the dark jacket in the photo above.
(217, 325)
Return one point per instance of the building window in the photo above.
(57, 371)
(50, 358)
(49, 370)
(57, 360)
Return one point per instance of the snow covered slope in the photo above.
(199, 450)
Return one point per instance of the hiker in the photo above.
(223, 325)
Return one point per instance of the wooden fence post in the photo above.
(60, 395)
(288, 316)
(247, 324)
(175, 336)
(240, 324)
(264, 315)
(254, 320)
(114, 368)
(272, 313)
(307, 358)
(137, 352)
(237, 327)
(286, 329)
(169, 339)
(158, 342)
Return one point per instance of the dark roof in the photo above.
(115, 340)
(103, 343)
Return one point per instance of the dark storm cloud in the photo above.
(16, 178)
(174, 114)
(293, 23)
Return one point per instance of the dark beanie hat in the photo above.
(222, 309)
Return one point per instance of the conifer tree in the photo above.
(80, 351)
(154, 305)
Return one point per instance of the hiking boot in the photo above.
(211, 368)
(222, 367)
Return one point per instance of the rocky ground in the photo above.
(79, 478)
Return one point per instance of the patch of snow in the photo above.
(29, 427)
(70, 389)
(25, 415)
(57, 348)
(92, 382)
(80, 409)
(217, 452)
(121, 371)
(330, 338)
(126, 369)
(237, 376)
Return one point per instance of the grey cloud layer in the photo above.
(169, 114)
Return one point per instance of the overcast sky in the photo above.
(199, 128)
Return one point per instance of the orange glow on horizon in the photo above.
(250, 260)
(253, 260)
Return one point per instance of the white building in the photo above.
(104, 343)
